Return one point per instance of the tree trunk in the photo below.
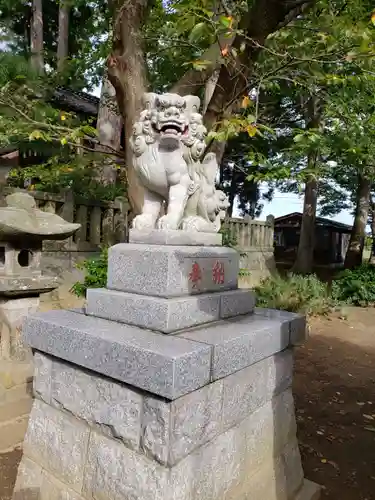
(354, 254)
(372, 208)
(63, 37)
(108, 125)
(305, 254)
(216, 147)
(304, 262)
(126, 72)
(209, 89)
(36, 37)
(265, 17)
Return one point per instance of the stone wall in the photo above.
(15, 402)
(64, 266)
(256, 264)
(16, 369)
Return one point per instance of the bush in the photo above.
(228, 239)
(75, 173)
(295, 293)
(355, 286)
(95, 274)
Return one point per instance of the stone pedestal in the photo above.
(22, 230)
(16, 362)
(21, 284)
(170, 387)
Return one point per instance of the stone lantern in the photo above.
(22, 230)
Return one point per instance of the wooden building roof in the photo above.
(294, 220)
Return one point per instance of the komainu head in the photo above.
(170, 120)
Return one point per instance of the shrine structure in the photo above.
(170, 384)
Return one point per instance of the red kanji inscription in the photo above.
(218, 275)
(195, 274)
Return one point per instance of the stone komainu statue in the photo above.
(168, 143)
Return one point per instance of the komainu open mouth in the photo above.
(173, 128)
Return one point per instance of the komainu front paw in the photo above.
(144, 221)
(168, 222)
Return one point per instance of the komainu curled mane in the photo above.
(168, 143)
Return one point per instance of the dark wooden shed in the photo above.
(331, 239)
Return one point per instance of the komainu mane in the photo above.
(168, 144)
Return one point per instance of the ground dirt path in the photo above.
(335, 403)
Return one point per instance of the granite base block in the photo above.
(250, 460)
(162, 364)
(58, 443)
(237, 303)
(34, 483)
(176, 238)
(171, 271)
(154, 313)
(252, 387)
(104, 404)
(241, 342)
(172, 431)
(92, 437)
(166, 431)
(167, 315)
(297, 323)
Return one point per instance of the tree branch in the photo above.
(265, 17)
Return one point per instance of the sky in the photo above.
(285, 203)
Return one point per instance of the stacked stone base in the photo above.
(91, 437)
(171, 386)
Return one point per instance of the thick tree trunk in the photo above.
(36, 37)
(63, 37)
(109, 126)
(126, 72)
(304, 262)
(264, 18)
(372, 208)
(216, 147)
(354, 254)
(305, 254)
(372, 225)
(233, 82)
(209, 89)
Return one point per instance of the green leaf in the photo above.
(299, 138)
(198, 32)
(226, 21)
(35, 135)
(200, 64)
